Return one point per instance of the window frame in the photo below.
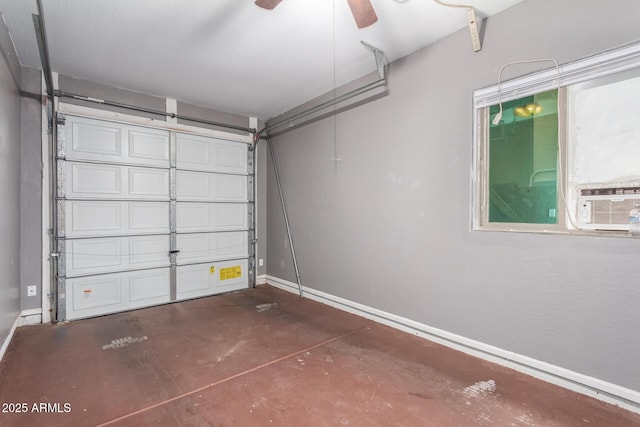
(483, 138)
(580, 71)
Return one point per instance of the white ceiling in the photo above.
(228, 54)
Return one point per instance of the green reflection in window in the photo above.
(523, 158)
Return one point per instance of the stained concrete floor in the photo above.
(264, 357)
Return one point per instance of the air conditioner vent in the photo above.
(619, 191)
(606, 208)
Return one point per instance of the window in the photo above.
(562, 156)
(522, 161)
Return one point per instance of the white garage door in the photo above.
(147, 216)
(212, 215)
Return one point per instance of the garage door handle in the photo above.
(173, 252)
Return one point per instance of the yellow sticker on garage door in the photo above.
(212, 269)
(230, 273)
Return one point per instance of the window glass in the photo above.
(523, 159)
(604, 133)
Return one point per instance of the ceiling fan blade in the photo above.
(363, 12)
(268, 4)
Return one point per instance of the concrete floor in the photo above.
(264, 357)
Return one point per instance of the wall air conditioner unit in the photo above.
(606, 208)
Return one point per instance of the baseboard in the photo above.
(261, 279)
(580, 383)
(30, 317)
(26, 317)
(9, 337)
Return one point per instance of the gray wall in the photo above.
(100, 91)
(10, 105)
(31, 189)
(390, 225)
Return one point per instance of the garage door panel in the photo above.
(148, 183)
(203, 217)
(194, 281)
(231, 244)
(87, 180)
(99, 181)
(231, 188)
(97, 140)
(148, 251)
(109, 218)
(193, 152)
(147, 145)
(93, 292)
(203, 247)
(231, 275)
(111, 254)
(193, 185)
(202, 186)
(86, 218)
(230, 157)
(192, 216)
(148, 286)
(91, 139)
(212, 278)
(230, 216)
(93, 255)
(210, 154)
(110, 293)
(148, 217)
(194, 248)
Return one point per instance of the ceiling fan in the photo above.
(362, 10)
